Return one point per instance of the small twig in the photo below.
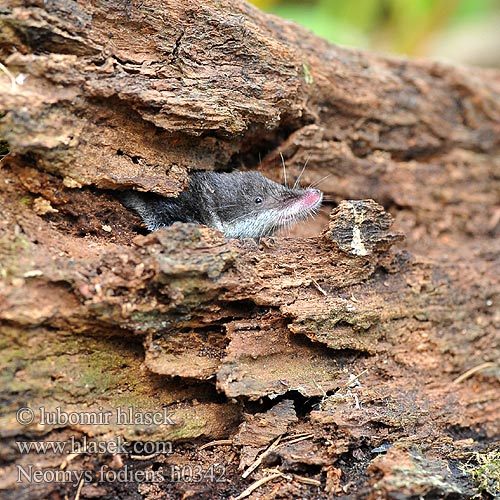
(258, 461)
(276, 444)
(494, 220)
(325, 395)
(297, 440)
(472, 371)
(219, 442)
(295, 436)
(306, 480)
(12, 78)
(257, 484)
(68, 459)
(79, 489)
(316, 284)
(145, 457)
(348, 384)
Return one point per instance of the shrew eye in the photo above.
(258, 200)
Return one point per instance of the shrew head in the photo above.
(249, 205)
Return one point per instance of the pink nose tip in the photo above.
(312, 197)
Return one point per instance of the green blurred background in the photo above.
(466, 31)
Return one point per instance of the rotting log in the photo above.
(318, 349)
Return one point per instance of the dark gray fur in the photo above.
(226, 201)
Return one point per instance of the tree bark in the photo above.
(362, 364)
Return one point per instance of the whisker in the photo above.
(301, 172)
(314, 184)
(284, 169)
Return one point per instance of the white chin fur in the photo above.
(267, 223)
